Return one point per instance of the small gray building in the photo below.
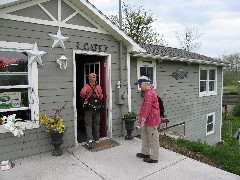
(47, 50)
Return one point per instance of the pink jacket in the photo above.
(86, 91)
(150, 109)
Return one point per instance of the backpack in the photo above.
(93, 103)
(161, 107)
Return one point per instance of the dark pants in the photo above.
(92, 121)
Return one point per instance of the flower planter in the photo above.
(129, 125)
(57, 140)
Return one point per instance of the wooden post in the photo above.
(225, 112)
(229, 128)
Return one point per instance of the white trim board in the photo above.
(59, 23)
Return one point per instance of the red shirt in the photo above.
(86, 91)
(150, 109)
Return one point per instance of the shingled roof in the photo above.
(169, 53)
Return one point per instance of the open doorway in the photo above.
(86, 64)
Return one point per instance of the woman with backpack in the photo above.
(92, 95)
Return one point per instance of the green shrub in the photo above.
(225, 155)
(236, 110)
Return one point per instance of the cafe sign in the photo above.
(92, 47)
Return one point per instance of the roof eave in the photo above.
(168, 58)
(101, 19)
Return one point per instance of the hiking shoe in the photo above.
(141, 155)
(90, 144)
(149, 160)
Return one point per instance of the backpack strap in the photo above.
(93, 88)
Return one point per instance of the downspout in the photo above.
(120, 57)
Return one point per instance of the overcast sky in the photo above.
(219, 20)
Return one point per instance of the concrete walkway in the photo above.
(119, 162)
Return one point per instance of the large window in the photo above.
(18, 82)
(207, 81)
(210, 123)
(147, 68)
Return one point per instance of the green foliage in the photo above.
(234, 60)
(137, 23)
(231, 78)
(236, 111)
(129, 116)
(225, 155)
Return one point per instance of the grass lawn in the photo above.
(224, 156)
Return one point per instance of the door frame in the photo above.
(108, 89)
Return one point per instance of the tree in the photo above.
(189, 39)
(231, 75)
(138, 25)
(234, 60)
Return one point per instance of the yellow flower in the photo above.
(53, 123)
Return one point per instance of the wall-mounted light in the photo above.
(119, 84)
(160, 60)
(62, 61)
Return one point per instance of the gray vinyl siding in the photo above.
(55, 85)
(38, 13)
(181, 99)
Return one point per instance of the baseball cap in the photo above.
(142, 79)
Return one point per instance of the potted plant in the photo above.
(129, 119)
(54, 125)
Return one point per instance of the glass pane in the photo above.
(143, 71)
(97, 69)
(210, 119)
(23, 114)
(211, 85)
(11, 80)
(203, 86)
(92, 70)
(212, 74)
(150, 73)
(209, 127)
(13, 98)
(13, 61)
(87, 70)
(203, 75)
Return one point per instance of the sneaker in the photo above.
(149, 160)
(90, 144)
(95, 142)
(141, 155)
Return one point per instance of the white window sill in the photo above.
(207, 94)
(23, 125)
(14, 109)
(208, 133)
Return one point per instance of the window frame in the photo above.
(207, 92)
(32, 86)
(146, 63)
(213, 122)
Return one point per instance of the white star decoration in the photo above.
(58, 39)
(35, 55)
